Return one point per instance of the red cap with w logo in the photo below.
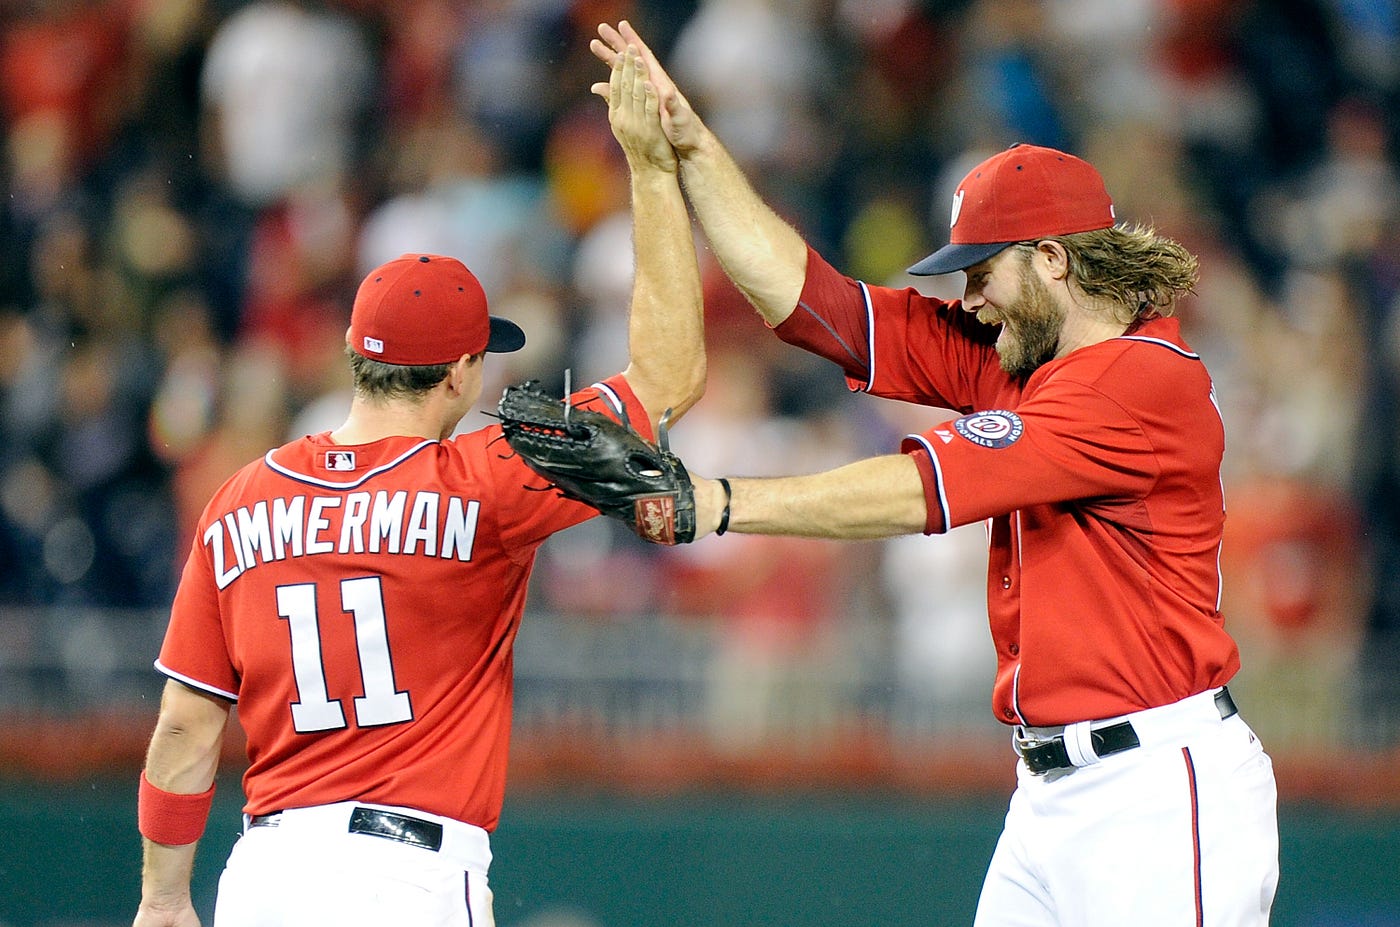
(1024, 193)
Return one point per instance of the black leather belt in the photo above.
(1043, 756)
(387, 824)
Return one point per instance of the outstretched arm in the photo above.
(878, 497)
(181, 761)
(764, 256)
(666, 334)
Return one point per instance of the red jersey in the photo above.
(1099, 476)
(360, 603)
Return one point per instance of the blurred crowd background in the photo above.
(191, 190)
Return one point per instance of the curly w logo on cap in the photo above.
(1021, 194)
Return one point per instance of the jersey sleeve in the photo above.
(1068, 443)
(532, 509)
(195, 651)
(896, 343)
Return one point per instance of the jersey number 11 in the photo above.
(315, 710)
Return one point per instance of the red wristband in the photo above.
(171, 818)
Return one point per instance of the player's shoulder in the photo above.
(1152, 351)
(319, 462)
(1149, 365)
(1157, 339)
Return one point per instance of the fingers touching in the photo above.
(634, 113)
(678, 119)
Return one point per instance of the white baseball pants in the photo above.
(309, 870)
(1180, 831)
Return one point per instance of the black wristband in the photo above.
(724, 516)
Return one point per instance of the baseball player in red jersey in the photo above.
(1090, 444)
(357, 594)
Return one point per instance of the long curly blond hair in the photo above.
(1143, 272)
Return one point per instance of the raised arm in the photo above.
(764, 255)
(666, 367)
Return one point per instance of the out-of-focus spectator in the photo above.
(250, 417)
(752, 66)
(57, 70)
(287, 83)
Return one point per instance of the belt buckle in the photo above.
(1022, 739)
(1021, 743)
(1040, 754)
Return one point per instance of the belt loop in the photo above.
(1079, 745)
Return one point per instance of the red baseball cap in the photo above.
(424, 309)
(1021, 194)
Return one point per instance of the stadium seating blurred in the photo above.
(177, 265)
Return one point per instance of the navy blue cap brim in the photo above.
(506, 336)
(957, 257)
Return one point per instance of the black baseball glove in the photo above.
(596, 460)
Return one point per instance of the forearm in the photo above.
(165, 875)
(666, 327)
(874, 498)
(764, 255)
(181, 762)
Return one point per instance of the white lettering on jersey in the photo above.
(317, 522)
(459, 534)
(214, 540)
(293, 527)
(232, 526)
(422, 525)
(352, 529)
(288, 516)
(386, 520)
(255, 536)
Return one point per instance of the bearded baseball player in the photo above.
(1090, 444)
(357, 593)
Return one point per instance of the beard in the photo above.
(1031, 327)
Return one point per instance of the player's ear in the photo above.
(457, 376)
(1055, 256)
(467, 361)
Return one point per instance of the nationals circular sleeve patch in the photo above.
(994, 428)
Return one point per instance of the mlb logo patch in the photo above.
(374, 345)
(340, 460)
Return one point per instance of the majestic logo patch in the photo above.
(996, 428)
(957, 207)
(340, 460)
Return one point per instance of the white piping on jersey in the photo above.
(1016, 693)
(1219, 548)
(1016, 679)
(195, 683)
(610, 395)
(350, 484)
(938, 480)
(1162, 342)
(870, 336)
(1017, 526)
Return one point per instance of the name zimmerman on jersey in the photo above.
(381, 522)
